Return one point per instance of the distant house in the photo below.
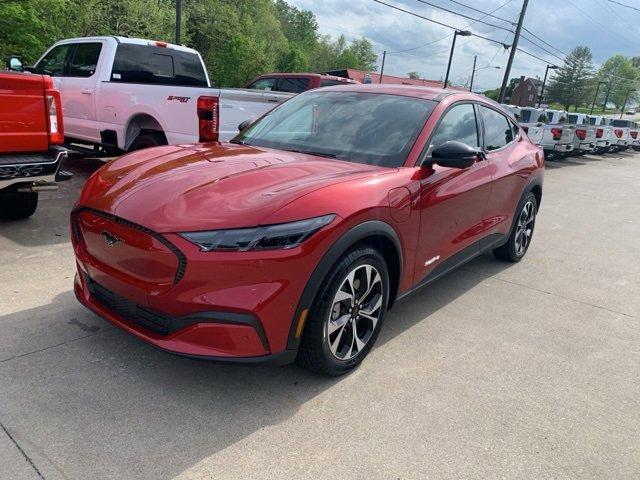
(373, 77)
(525, 93)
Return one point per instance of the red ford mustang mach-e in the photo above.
(294, 239)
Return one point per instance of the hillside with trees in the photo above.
(238, 39)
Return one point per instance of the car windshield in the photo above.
(371, 128)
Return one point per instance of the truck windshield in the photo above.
(621, 123)
(572, 119)
(371, 128)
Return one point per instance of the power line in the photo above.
(485, 13)
(623, 5)
(543, 41)
(434, 21)
(465, 16)
(622, 20)
(449, 35)
(542, 48)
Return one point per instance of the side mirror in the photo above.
(14, 63)
(455, 155)
(244, 125)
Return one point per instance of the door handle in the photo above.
(86, 91)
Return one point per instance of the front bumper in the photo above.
(212, 335)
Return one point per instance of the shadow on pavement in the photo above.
(110, 404)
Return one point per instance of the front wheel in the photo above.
(347, 313)
(16, 205)
(521, 233)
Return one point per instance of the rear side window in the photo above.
(84, 60)
(497, 129)
(157, 66)
(459, 124)
(572, 119)
(526, 116)
(54, 62)
(293, 85)
(266, 84)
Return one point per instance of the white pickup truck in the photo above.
(584, 140)
(127, 93)
(604, 133)
(546, 128)
(626, 133)
(532, 121)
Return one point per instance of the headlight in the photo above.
(282, 235)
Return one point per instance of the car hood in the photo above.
(200, 187)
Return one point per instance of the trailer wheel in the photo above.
(16, 205)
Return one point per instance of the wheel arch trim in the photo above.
(345, 242)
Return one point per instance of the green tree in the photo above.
(572, 82)
(620, 76)
(413, 75)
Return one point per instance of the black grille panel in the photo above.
(153, 321)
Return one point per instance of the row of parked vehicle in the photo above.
(562, 134)
(114, 95)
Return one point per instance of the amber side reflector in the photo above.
(301, 320)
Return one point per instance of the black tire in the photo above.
(315, 351)
(17, 205)
(512, 251)
(148, 140)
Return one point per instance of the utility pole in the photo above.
(178, 20)
(512, 53)
(473, 72)
(384, 55)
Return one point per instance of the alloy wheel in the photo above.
(355, 312)
(524, 228)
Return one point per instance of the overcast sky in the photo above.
(606, 28)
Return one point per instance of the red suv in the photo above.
(294, 239)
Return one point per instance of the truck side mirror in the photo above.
(14, 63)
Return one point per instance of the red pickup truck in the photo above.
(296, 82)
(30, 130)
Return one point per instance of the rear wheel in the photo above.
(16, 205)
(521, 233)
(347, 314)
(148, 140)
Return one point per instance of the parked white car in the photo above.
(604, 133)
(129, 93)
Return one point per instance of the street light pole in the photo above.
(544, 82)
(473, 72)
(462, 33)
(626, 97)
(593, 104)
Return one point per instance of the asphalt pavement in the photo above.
(525, 371)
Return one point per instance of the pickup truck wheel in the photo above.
(148, 140)
(16, 205)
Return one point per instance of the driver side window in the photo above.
(54, 62)
(459, 124)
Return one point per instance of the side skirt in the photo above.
(469, 253)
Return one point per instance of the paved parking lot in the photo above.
(496, 371)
